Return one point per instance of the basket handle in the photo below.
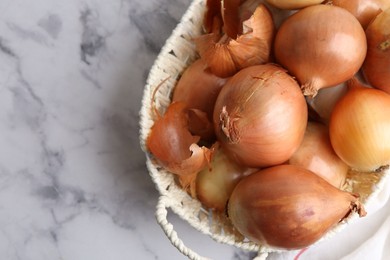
(161, 216)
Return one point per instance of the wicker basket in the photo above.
(177, 54)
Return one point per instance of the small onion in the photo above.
(317, 155)
(321, 46)
(215, 183)
(360, 128)
(363, 10)
(376, 67)
(288, 207)
(297, 4)
(260, 116)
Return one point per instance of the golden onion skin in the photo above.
(359, 128)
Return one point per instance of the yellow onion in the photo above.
(226, 54)
(360, 127)
(376, 67)
(215, 183)
(317, 155)
(321, 45)
(297, 4)
(288, 207)
(363, 10)
(260, 116)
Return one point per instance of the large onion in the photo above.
(376, 67)
(288, 207)
(260, 116)
(363, 10)
(322, 46)
(360, 127)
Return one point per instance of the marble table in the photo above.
(73, 181)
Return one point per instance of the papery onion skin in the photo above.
(172, 144)
(376, 67)
(288, 207)
(321, 46)
(225, 55)
(260, 116)
(198, 88)
(359, 128)
(364, 10)
(215, 183)
(296, 4)
(317, 155)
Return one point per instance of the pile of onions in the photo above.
(376, 67)
(237, 132)
(321, 45)
(260, 116)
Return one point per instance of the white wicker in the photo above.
(176, 55)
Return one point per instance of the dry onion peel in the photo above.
(175, 148)
(225, 56)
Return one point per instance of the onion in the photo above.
(288, 4)
(260, 116)
(376, 67)
(288, 207)
(175, 148)
(198, 88)
(363, 10)
(215, 184)
(360, 128)
(321, 46)
(317, 155)
(226, 54)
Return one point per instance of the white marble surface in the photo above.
(73, 181)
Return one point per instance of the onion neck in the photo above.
(310, 89)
